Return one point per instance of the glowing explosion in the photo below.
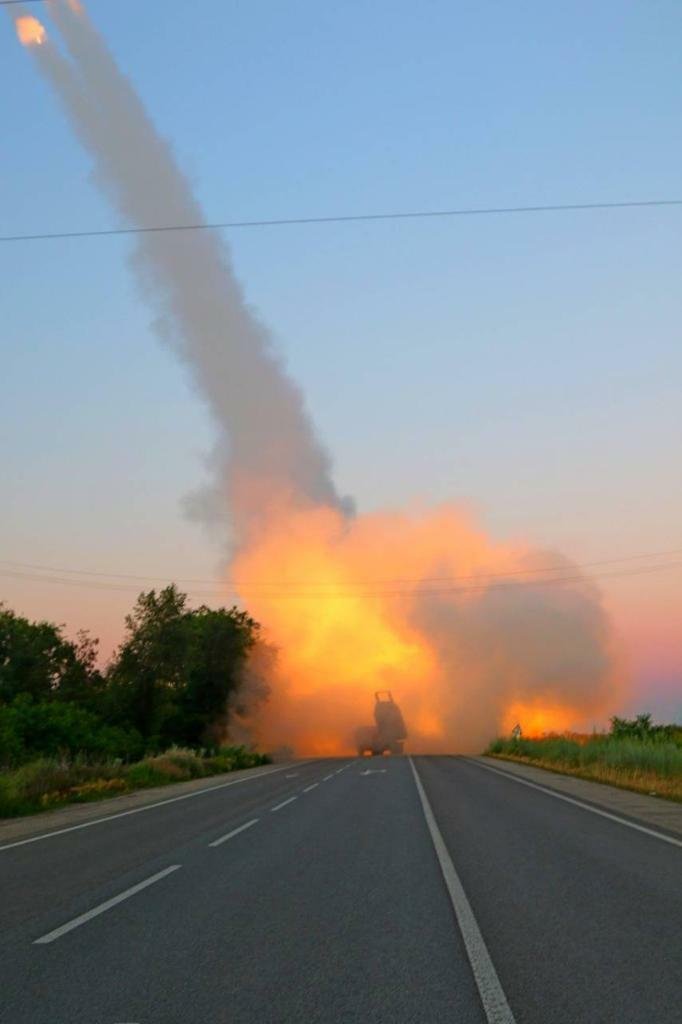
(463, 631)
(425, 606)
(30, 31)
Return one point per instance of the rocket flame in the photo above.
(30, 31)
(349, 615)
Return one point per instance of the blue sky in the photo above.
(527, 365)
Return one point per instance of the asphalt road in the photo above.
(378, 890)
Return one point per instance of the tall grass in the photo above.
(53, 782)
(646, 765)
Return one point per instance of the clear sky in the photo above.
(529, 365)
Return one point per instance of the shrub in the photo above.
(152, 773)
(98, 788)
(240, 757)
(663, 757)
(9, 805)
(59, 730)
(175, 765)
(53, 782)
(32, 781)
(188, 761)
(638, 755)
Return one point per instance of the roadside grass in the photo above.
(49, 783)
(652, 766)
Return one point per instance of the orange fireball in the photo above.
(30, 31)
(413, 604)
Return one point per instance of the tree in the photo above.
(147, 675)
(36, 659)
(174, 679)
(176, 669)
(59, 728)
(218, 645)
(633, 728)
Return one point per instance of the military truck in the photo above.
(388, 733)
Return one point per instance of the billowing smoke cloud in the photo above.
(469, 635)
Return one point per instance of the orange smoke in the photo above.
(30, 31)
(399, 602)
(538, 719)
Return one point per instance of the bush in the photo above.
(98, 789)
(642, 728)
(34, 780)
(240, 757)
(10, 802)
(175, 765)
(188, 761)
(52, 782)
(152, 772)
(60, 730)
(639, 756)
(661, 756)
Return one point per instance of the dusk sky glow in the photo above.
(527, 368)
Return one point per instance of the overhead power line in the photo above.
(359, 592)
(279, 584)
(341, 219)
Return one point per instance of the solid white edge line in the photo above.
(107, 905)
(138, 810)
(578, 803)
(308, 788)
(278, 807)
(495, 1005)
(234, 832)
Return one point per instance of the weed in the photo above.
(646, 764)
(53, 782)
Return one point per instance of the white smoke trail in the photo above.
(266, 441)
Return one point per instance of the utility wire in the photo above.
(513, 585)
(286, 584)
(341, 219)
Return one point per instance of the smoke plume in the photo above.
(264, 433)
(470, 635)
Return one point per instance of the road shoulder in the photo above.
(76, 814)
(663, 814)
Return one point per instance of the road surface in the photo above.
(384, 890)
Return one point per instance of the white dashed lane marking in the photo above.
(107, 905)
(278, 807)
(234, 832)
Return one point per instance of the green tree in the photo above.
(59, 728)
(148, 673)
(219, 642)
(36, 659)
(633, 728)
(177, 668)
(174, 679)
